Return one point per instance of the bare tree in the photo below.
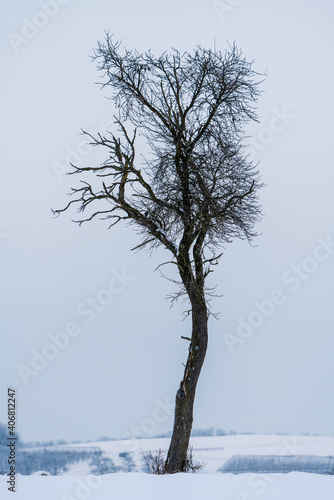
(195, 191)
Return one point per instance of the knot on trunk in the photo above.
(181, 394)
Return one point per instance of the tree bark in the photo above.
(185, 396)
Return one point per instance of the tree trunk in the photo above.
(185, 396)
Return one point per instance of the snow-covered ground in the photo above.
(139, 486)
(207, 484)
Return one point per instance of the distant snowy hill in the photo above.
(78, 483)
(126, 456)
(216, 450)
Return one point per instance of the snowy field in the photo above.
(138, 486)
(208, 484)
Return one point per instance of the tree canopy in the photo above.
(195, 187)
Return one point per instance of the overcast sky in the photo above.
(87, 362)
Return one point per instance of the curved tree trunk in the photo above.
(185, 396)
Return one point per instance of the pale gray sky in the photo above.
(269, 365)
